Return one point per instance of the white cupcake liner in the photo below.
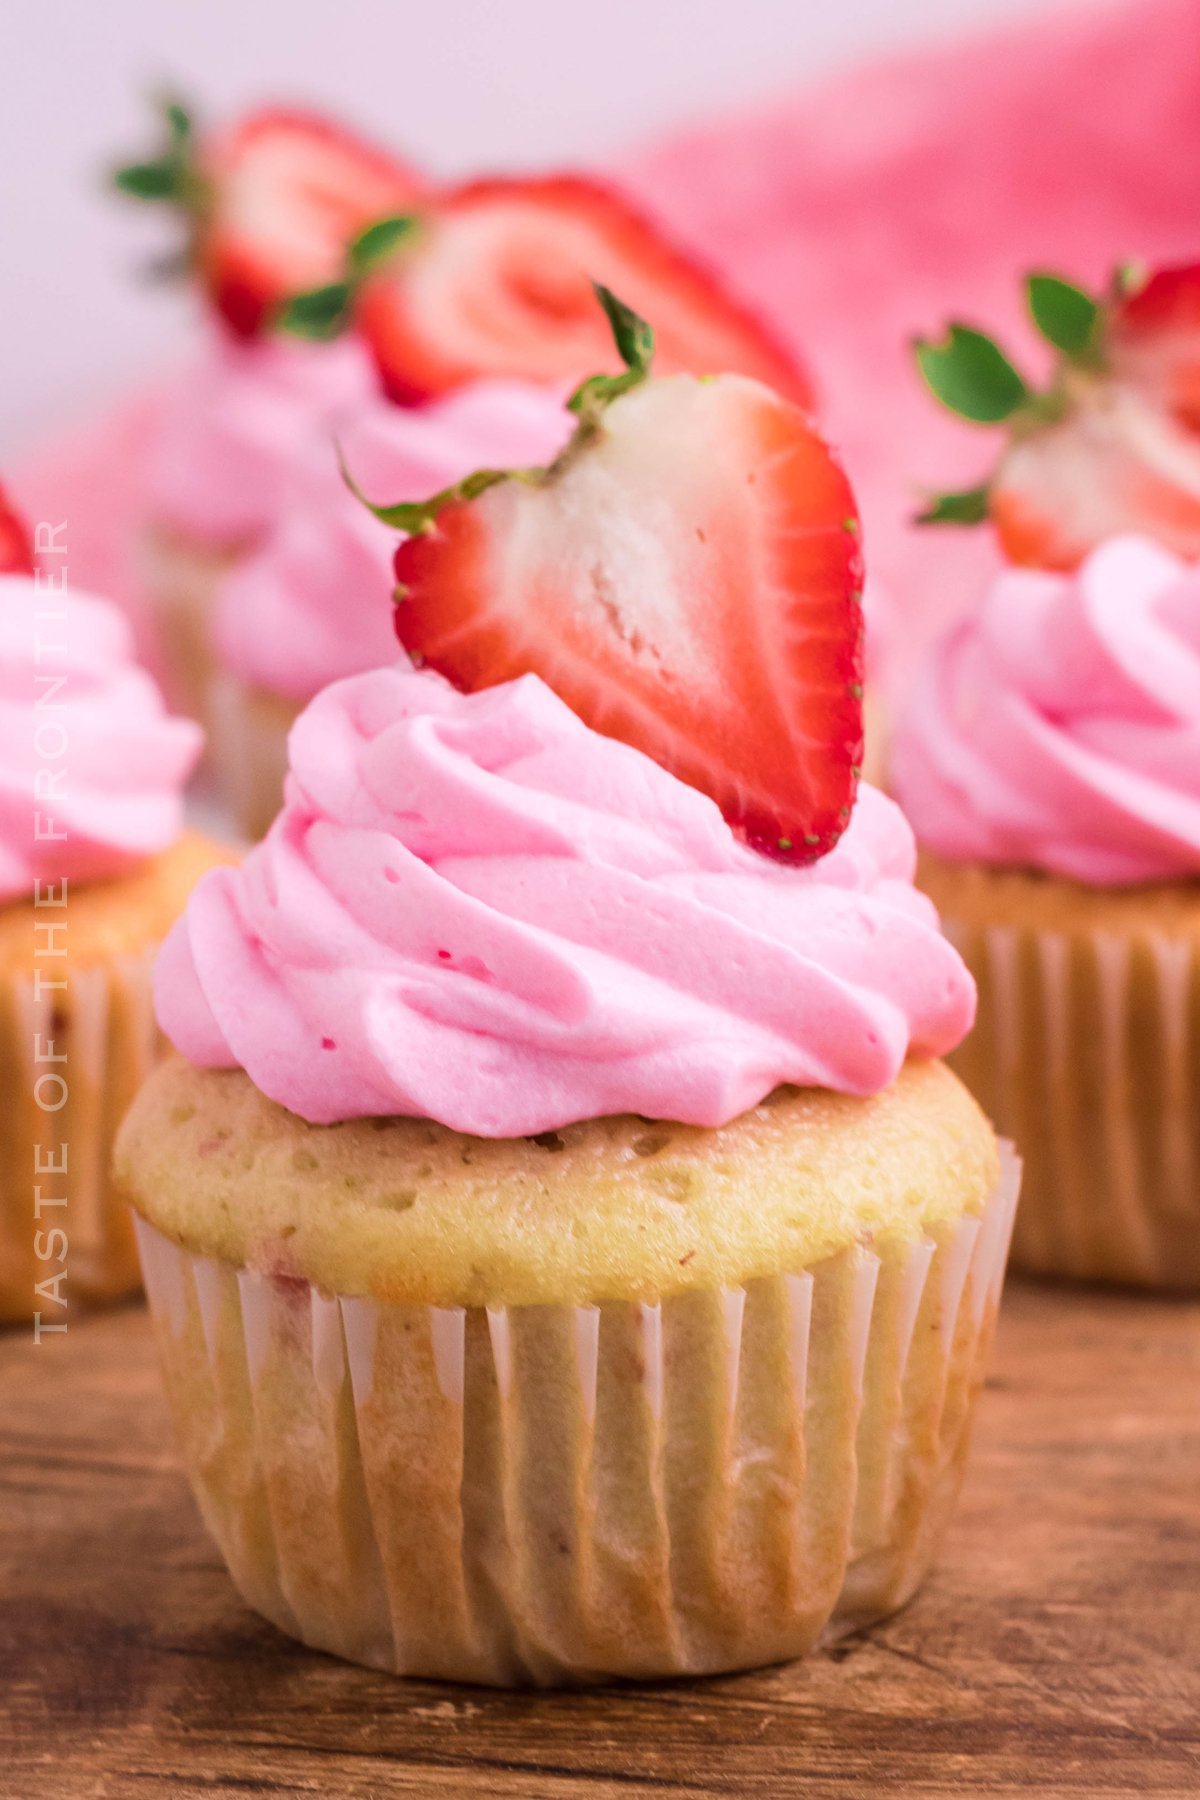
(1087, 1053)
(249, 751)
(104, 1021)
(560, 1494)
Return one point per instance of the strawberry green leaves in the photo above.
(324, 312)
(319, 314)
(971, 375)
(171, 175)
(969, 506)
(1066, 316)
(1108, 442)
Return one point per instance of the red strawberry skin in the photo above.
(501, 285)
(688, 581)
(16, 550)
(290, 191)
(1155, 341)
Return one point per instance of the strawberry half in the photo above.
(1155, 341)
(686, 575)
(1112, 445)
(16, 550)
(498, 282)
(271, 204)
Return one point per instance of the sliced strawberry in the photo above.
(686, 575)
(1113, 444)
(271, 203)
(1114, 464)
(499, 283)
(16, 550)
(1155, 341)
(290, 191)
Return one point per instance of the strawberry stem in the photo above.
(634, 339)
(412, 516)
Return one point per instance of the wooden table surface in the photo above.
(1056, 1651)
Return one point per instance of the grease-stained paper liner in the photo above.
(250, 732)
(1086, 1053)
(181, 578)
(555, 1494)
(104, 1024)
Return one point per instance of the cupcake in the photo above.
(1049, 758)
(568, 1258)
(305, 609)
(95, 865)
(232, 436)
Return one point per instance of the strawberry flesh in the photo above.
(290, 192)
(1155, 341)
(16, 550)
(500, 284)
(687, 577)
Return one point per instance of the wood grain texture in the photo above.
(1056, 1651)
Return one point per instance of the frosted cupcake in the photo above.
(311, 606)
(95, 865)
(567, 1259)
(232, 437)
(519, 1323)
(1049, 757)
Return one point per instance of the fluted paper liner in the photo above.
(1086, 1053)
(104, 1022)
(554, 1494)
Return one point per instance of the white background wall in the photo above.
(460, 83)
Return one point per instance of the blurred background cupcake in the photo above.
(95, 865)
(1048, 753)
(314, 604)
(1049, 757)
(266, 206)
(232, 437)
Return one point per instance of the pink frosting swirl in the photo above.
(91, 767)
(1059, 727)
(313, 604)
(475, 909)
(236, 427)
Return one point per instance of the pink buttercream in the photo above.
(475, 909)
(85, 743)
(233, 431)
(1059, 728)
(314, 604)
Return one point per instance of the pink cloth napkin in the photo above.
(859, 213)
